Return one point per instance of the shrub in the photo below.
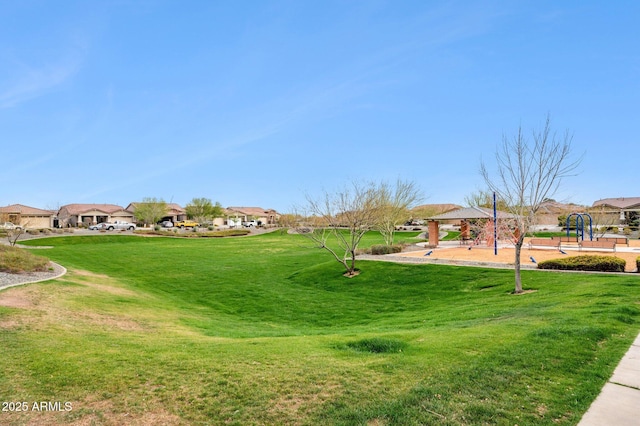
(379, 249)
(585, 263)
(638, 264)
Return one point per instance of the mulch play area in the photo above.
(481, 253)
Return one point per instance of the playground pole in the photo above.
(495, 226)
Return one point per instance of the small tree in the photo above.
(484, 199)
(394, 203)
(340, 220)
(202, 209)
(150, 210)
(528, 172)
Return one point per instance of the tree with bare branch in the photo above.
(394, 203)
(528, 171)
(336, 222)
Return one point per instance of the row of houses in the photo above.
(74, 215)
(607, 211)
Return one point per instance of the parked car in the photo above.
(250, 223)
(167, 224)
(118, 224)
(186, 224)
(97, 227)
(9, 225)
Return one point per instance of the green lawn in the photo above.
(264, 330)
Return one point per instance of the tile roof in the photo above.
(621, 203)
(251, 211)
(471, 213)
(75, 209)
(26, 210)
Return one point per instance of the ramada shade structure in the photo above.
(472, 213)
(462, 214)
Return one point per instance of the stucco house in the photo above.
(173, 213)
(27, 217)
(623, 207)
(87, 214)
(243, 214)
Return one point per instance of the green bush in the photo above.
(638, 264)
(379, 249)
(585, 263)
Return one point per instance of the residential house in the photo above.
(27, 217)
(243, 214)
(549, 212)
(72, 215)
(173, 213)
(620, 210)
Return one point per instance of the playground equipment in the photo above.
(580, 226)
(486, 231)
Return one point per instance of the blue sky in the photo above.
(257, 103)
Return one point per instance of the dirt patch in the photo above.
(15, 301)
(101, 282)
(86, 413)
(84, 273)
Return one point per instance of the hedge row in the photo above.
(585, 263)
(385, 249)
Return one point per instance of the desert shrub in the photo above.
(380, 249)
(157, 228)
(585, 263)
(626, 230)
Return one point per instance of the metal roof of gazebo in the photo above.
(472, 213)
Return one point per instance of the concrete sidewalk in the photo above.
(619, 401)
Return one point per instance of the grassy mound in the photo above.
(585, 263)
(14, 260)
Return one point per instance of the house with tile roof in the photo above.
(174, 211)
(73, 215)
(27, 217)
(243, 214)
(623, 207)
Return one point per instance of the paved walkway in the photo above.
(619, 401)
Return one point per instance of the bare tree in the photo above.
(528, 172)
(484, 199)
(340, 220)
(394, 204)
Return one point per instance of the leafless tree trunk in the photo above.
(528, 172)
(395, 203)
(340, 220)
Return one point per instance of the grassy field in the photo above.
(264, 330)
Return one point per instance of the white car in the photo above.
(96, 227)
(9, 225)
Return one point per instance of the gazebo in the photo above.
(463, 215)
